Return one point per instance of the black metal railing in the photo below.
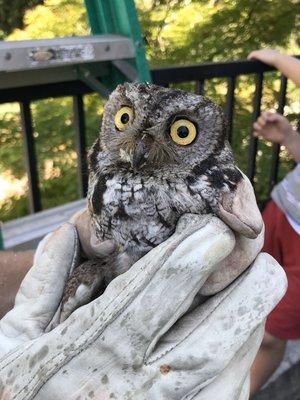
(162, 76)
(24, 96)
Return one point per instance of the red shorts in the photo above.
(283, 243)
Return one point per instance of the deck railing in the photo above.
(162, 76)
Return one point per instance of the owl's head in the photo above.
(146, 126)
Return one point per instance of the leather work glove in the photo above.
(137, 340)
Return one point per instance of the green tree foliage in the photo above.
(53, 19)
(185, 31)
(175, 32)
(12, 14)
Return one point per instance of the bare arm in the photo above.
(287, 65)
(290, 67)
(292, 144)
(13, 268)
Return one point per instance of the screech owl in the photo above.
(161, 153)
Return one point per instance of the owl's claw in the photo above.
(82, 287)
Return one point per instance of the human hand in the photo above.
(127, 341)
(267, 56)
(273, 127)
(287, 65)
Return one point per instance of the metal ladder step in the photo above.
(30, 62)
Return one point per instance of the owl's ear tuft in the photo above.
(239, 210)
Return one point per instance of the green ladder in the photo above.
(119, 17)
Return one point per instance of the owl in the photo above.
(161, 153)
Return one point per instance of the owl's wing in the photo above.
(229, 194)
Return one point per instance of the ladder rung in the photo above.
(51, 53)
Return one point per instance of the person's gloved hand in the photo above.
(126, 344)
(89, 244)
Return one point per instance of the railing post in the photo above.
(253, 140)
(229, 108)
(200, 87)
(79, 124)
(276, 146)
(30, 157)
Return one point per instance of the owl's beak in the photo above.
(140, 153)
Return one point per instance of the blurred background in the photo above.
(175, 32)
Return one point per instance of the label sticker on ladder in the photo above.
(61, 54)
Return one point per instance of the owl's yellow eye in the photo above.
(183, 132)
(123, 118)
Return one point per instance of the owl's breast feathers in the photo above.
(140, 211)
(132, 211)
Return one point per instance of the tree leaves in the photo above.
(12, 14)
(197, 31)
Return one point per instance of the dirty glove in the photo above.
(135, 340)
